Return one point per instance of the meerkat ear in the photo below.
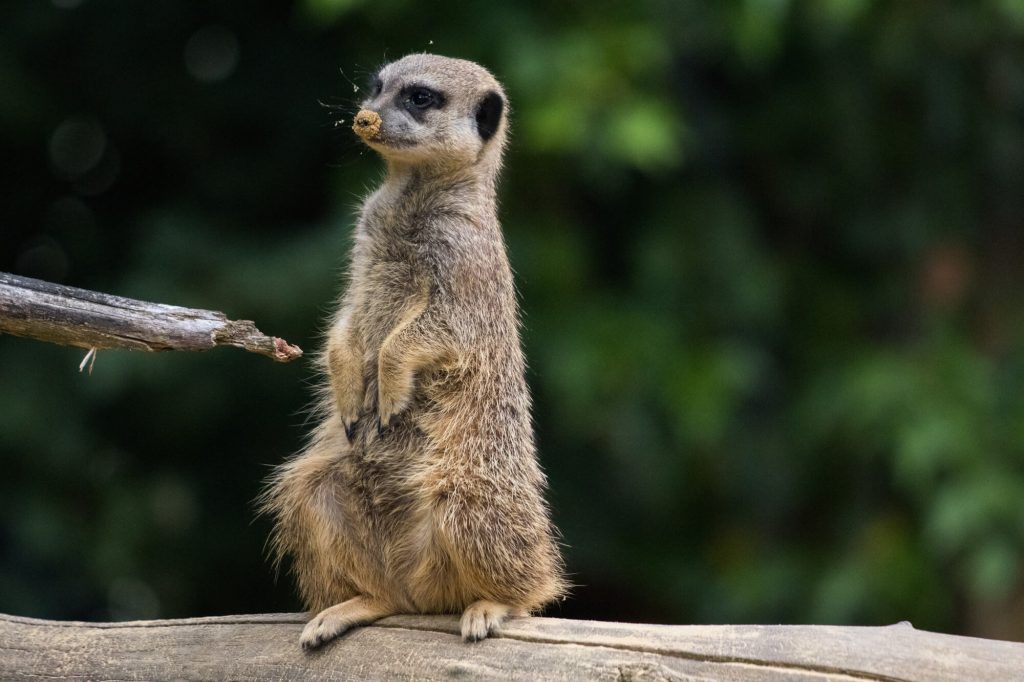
(488, 115)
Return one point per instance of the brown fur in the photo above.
(435, 504)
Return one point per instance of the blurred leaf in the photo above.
(645, 134)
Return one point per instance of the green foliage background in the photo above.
(770, 259)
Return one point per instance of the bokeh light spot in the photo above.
(211, 54)
(76, 146)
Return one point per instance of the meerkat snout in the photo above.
(367, 124)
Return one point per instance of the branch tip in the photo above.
(284, 351)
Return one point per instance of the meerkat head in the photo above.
(426, 109)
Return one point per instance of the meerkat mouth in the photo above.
(367, 125)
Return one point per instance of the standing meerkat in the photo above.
(419, 491)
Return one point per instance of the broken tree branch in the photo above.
(88, 319)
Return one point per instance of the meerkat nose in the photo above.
(367, 124)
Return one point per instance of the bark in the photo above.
(266, 647)
(77, 317)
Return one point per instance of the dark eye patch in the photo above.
(421, 98)
(418, 99)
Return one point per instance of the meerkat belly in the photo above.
(414, 466)
(416, 569)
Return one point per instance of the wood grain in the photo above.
(265, 647)
(88, 319)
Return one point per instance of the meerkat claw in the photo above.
(382, 427)
(350, 429)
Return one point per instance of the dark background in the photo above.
(770, 261)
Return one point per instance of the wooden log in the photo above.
(265, 647)
(88, 319)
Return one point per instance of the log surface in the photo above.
(265, 647)
(88, 319)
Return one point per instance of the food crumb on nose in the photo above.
(367, 124)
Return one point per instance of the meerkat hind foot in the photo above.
(483, 618)
(336, 620)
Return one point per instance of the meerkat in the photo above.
(420, 490)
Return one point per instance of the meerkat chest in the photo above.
(391, 271)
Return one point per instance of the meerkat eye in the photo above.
(421, 98)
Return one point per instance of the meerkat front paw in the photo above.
(345, 370)
(483, 618)
(348, 398)
(393, 394)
